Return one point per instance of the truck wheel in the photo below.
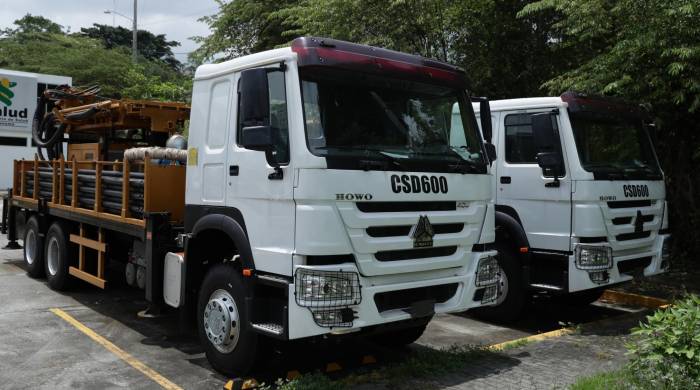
(511, 303)
(400, 337)
(582, 298)
(229, 342)
(56, 257)
(33, 249)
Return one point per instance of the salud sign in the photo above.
(17, 102)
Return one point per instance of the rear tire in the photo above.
(33, 249)
(56, 256)
(510, 306)
(224, 329)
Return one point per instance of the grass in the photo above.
(422, 363)
(612, 380)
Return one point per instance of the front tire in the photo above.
(510, 305)
(57, 257)
(33, 249)
(225, 333)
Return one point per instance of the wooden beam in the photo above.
(62, 181)
(101, 254)
(74, 186)
(88, 243)
(92, 279)
(98, 187)
(35, 193)
(54, 182)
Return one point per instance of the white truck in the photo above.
(329, 189)
(580, 199)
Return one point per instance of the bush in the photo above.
(666, 350)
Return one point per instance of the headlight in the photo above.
(593, 257)
(324, 289)
(487, 271)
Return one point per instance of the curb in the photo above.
(630, 299)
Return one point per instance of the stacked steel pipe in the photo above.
(111, 189)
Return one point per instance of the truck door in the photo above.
(544, 209)
(264, 198)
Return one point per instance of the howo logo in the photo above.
(353, 196)
(6, 93)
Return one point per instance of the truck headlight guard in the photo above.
(328, 294)
(487, 272)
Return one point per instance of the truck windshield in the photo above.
(615, 148)
(364, 121)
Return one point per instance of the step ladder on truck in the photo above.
(326, 189)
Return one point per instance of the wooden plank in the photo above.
(92, 279)
(54, 182)
(81, 249)
(92, 213)
(101, 255)
(146, 178)
(62, 181)
(74, 185)
(165, 186)
(88, 243)
(23, 180)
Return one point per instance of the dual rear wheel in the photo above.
(47, 254)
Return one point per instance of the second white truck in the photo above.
(580, 199)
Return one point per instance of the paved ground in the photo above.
(38, 349)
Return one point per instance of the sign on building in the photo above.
(18, 96)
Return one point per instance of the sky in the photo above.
(177, 19)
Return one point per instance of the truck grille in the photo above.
(422, 253)
(630, 266)
(623, 220)
(401, 299)
(380, 234)
(394, 207)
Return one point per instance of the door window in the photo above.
(520, 142)
(278, 116)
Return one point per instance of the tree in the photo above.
(150, 46)
(88, 62)
(647, 52)
(241, 27)
(33, 24)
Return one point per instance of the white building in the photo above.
(19, 92)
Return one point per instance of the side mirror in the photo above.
(254, 98)
(491, 152)
(485, 115)
(256, 138)
(546, 141)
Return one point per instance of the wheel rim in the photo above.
(502, 287)
(221, 321)
(52, 256)
(30, 247)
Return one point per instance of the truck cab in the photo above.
(580, 199)
(328, 192)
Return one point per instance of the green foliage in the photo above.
(240, 27)
(666, 351)
(33, 24)
(151, 46)
(88, 62)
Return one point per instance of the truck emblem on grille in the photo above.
(639, 222)
(422, 233)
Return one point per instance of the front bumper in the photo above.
(625, 266)
(368, 313)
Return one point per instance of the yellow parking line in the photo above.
(132, 361)
(529, 339)
(625, 298)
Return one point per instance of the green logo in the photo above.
(6, 94)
